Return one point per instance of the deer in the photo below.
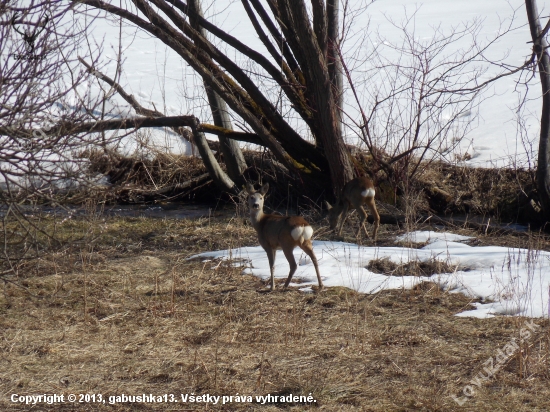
(356, 193)
(280, 232)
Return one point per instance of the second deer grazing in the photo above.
(356, 193)
(280, 232)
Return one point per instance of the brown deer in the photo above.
(356, 193)
(280, 232)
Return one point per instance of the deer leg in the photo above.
(374, 212)
(363, 217)
(308, 248)
(291, 261)
(343, 217)
(271, 252)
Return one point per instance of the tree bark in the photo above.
(232, 154)
(309, 53)
(334, 62)
(224, 183)
(540, 49)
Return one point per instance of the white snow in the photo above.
(508, 281)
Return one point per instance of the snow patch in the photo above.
(509, 281)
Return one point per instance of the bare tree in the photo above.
(412, 109)
(297, 42)
(540, 52)
(416, 97)
(333, 55)
(41, 87)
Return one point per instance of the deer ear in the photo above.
(264, 189)
(249, 188)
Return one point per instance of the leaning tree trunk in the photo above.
(539, 48)
(334, 63)
(224, 183)
(311, 51)
(232, 154)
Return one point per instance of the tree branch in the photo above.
(67, 128)
(301, 155)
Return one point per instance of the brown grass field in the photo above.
(120, 310)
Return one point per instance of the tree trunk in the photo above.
(539, 48)
(334, 63)
(309, 53)
(232, 154)
(224, 183)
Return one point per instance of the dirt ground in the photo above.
(121, 310)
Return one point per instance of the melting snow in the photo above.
(509, 281)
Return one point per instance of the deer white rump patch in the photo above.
(304, 232)
(368, 193)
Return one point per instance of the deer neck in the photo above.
(256, 216)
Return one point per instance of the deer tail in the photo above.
(301, 233)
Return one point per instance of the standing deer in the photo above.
(280, 232)
(355, 194)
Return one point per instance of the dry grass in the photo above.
(127, 313)
(500, 193)
(414, 267)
